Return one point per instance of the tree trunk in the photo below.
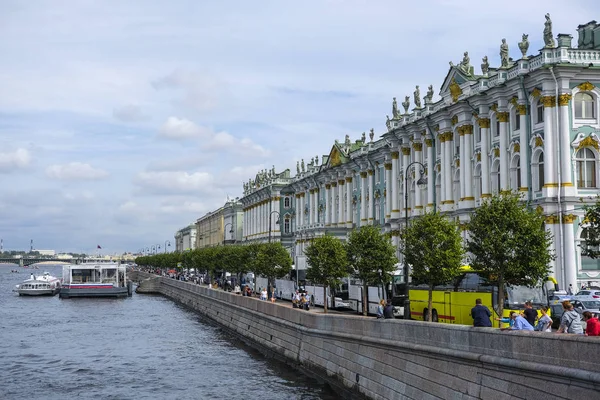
(430, 304)
(501, 296)
(364, 302)
(325, 297)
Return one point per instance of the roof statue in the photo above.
(429, 95)
(406, 104)
(363, 137)
(312, 162)
(298, 167)
(395, 113)
(417, 97)
(388, 123)
(465, 65)
(317, 159)
(524, 45)
(347, 140)
(485, 66)
(504, 54)
(372, 134)
(273, 171)
(302, 165)
(548, 39)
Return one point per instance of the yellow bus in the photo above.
(452, 303)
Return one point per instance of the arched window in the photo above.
(588, 263)
(456, 187)
(515, 173)
(584, 106)
(438, 189)
(286, 224)
(496, 177)
(538, 170)
(286, 202)
(539, 113)
(477, 176)
(517, 121)
(586, 168)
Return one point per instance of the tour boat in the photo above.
(95, 279)
(44, 285)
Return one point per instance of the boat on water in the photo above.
(95, 279)
(41, 285)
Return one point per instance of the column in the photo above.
(394, 206)
(503, 118)
(431, 175)
(523, 146)
(461, 163)
(297, 211)
(405, 162)
(311, 207)
(388, 191)
(301, 209)
(341, 219)
(549, 145)
(370, 196)
(332, 204)
(363, 198)
(564, 143)
(466, 164)
(484, 126)
(348, 202)
(448, 166)
(316, 203)
(570, 267)
(327, 204)
(418, 148)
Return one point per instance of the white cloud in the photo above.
(201, 91)
(129, 113)
(75, 171)
(223, 141)
(18, 159)
(168, 182)
(181, 128)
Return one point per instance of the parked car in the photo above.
(589, 293)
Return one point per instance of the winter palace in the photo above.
(528, 125)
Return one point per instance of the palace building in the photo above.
(529, 125)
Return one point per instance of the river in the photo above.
(142, 347)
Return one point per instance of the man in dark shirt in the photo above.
(530, 314)
(481, 314)
(388, 310)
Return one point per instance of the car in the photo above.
(595, 293)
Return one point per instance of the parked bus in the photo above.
(453, 303)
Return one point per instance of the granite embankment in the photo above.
(396, 359)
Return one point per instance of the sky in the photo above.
(122, 121)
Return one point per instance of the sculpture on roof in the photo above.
(417, 97)
(485, 66)
(302, 165)
(548, 39)
(388, 123)
(273, 171)
(429, 95)
(245, 185)
(504, 54)
(372, 134)
(406, 104)
(347, 141)
(317, 159)
(297, 167)
(524, 45)
(395, 113)
(363, 137)
(465, 65)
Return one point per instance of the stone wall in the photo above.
(395, 359)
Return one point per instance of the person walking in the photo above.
(529, 313)
(481, 315)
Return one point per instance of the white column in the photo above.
(405, 162)
(569, 249)
(395, 205)
(484, 125)
(549, 145)
(301, 209)
(418, 148)
(448, 167)
(462, 164)
(316, 203)
(311, 207)
(431, 175)
(370, 195)
(523, 146)
(565, 141)
(327, 204)
(503, 118)
(341, 218)
(363, 198)
(297, 211)
(467, 165)
(332, 195)
(348, 191)
(388, 191)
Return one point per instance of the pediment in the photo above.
(454, 75)
(336, 157)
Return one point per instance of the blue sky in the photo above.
(123, 121)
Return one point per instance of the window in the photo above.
(584, 106)
(540, 172)
(497, 130)
(586, 168)
(517, 122)
(588, 263)
(540, 113)
(478, 187)
(286, 224)
(477, 133)
(516, 173)
(286, 202)
(496, 177)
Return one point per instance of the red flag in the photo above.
(99, 247)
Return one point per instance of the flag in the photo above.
(99, 247)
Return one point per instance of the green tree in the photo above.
(508, 244)
(372, 257)
(273, 262)
(591, 246)
(328, 262)
(432, 247)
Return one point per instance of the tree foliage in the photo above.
(591, 222)
(508, 244)
(372, 257)
(272, 261)
(432, 247)
(327, 261)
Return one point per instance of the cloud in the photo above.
(129, 113)
(223, 141)
(75, 171)
(169, 182)
(201, 92)
(181, 129)
(18, 159)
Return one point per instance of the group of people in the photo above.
(385, 310)
(528, 319)
(301, 301)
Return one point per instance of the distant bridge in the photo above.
(25, 262)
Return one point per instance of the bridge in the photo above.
(25, 262)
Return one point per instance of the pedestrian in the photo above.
(570, 289)
(519, 323)
(545, 322)
(263, 294)
(380, 309)
(592, 324)
(481, 315)
(529, 313)
(388, 310)
(570, 322)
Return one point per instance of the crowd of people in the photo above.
(529, 320)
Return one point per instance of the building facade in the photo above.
(210, 229)
(185, 238)
(233, 218)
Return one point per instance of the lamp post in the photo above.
(276, 222)
(167, 243)
(422, 181)
(156, 248)
(225, 231)
(147, 250)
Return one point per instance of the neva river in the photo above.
(142, 347)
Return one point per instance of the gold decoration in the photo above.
(406, 151)
(563, 99)
(457, 162)
(327, 186)
(429, 142)
(454, 120)
(438, 167)
(334, 158)
(460, 131)
(467, 129)
(418, 146)
(363, 174)
(494, 107)
(484, 123)
(536, 93)
(436, 128)
(455, 90)
(539, 141)
(388, 166)
(394, 155)
(548, 101)
(333, 184)
(340, 181)
(497, 152)
(370, 172)
(586, 86)
(551, 219)
(588, 142)
(349, 179)
(478, 156)
(517, 148)
(569, 218)
(521, 109)
(502, 116)
(514, 100)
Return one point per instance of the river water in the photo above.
(142, 347)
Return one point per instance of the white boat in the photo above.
(41, 285)
(95, 279)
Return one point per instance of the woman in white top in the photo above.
(263, 294)
(544, 322)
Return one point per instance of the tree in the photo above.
(327, 261)
(372, 256)
(433, 248)
(508, 244)
(591, 222)
(273, 262)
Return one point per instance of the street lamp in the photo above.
(225, 231)
(270, 219)
(422, 181)
(167, 243)
(156, 248)
(147, 250)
